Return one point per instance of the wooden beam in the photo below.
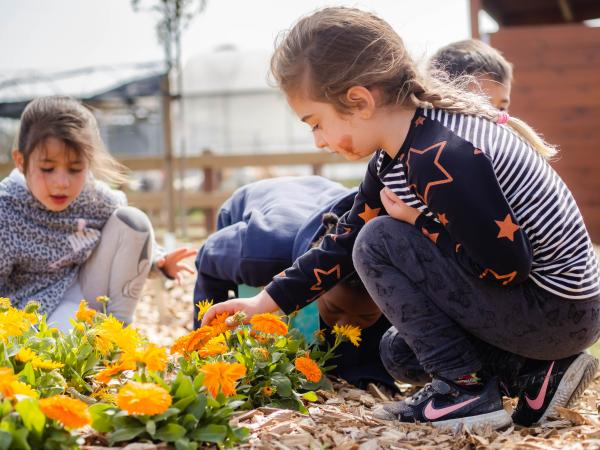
(474, 12)
(565, 10)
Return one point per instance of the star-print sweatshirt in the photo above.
(487, 199)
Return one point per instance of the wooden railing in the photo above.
(209, 196)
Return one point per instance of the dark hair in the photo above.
(333, 49)
(472, 57)
(71, 122)
(330, 221)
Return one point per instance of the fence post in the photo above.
(317, 169)
(208, 186)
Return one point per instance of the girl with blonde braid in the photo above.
(464, 236)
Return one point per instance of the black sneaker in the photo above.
(447, 405)
(556, 383)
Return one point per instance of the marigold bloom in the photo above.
(153, 356)
(308, 368)
(193, 341)
(5, 303)
(72, 413)
(84, 313)
(203, 306)
(143, 398)
(259, 353)
(25, 354)
(110, 333)
(110, 370)
(222, 376)
(21, 388)
(220, 323)
(46, 364)
(215, 346)
(269, 323)
(7, 378)
(13, 323)
(348, 332)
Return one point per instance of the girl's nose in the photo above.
(319, 141)
(62, 180)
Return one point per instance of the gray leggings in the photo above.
(118, 268)
(448, 322)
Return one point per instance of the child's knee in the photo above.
(134, 219)
(399, 360)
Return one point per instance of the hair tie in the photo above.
(502, 118)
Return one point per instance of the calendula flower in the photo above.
(80, 328)
(259, 353)
(103, 299)
(222, 376)
(308, 368)
(261, 338)
(193, 341)
(110, 370)
(110, 333)
(25, 354)
(348, 332)
(215, 346)
(20, 388)
(143, 398)
(319, 335)
(46, 364)
(203, 306)
(7, 378)
(106, 395)
(267, 391)
(269, 323)
(84, 313)
(220, 323)
(72, 413)
(4, 304)
(153, 356)
(14, 322)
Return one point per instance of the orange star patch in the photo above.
(318, 272)
(508, 277)
(447, 177)
(419, 121)
(442, 218)
(369, 213)
(457, 248)
(346, 231)
(507, 228)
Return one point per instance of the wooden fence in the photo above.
(210, 194)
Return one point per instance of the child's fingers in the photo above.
(228, 306)
(187, 268)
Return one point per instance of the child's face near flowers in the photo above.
(55, 174)
(343, 305)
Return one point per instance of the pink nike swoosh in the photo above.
(432, 413)
(537, 402)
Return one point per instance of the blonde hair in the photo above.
(71, 122)
(328, 52)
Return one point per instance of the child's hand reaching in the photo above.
(261, 303)
(396, 208)
(171, 264)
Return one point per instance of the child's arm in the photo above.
(476, 225)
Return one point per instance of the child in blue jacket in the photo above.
(261, 230)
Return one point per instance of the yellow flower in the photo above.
(143, 398)
(215, 346)
(7, 378)
(47, 364)
(269, 323)
(203, 306)
(348, 332)
(308, 368)
(4, 304)
(85, 314)
(110, 333)
(103, 299)
(154, 357)
(105, 375)
(222, 376)
(72, 413)
(25, 354)
(105, 395)
(21, 388)
(13, 323)
(193, 341)
(319, 335)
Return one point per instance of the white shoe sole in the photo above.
(574, 382)
(495, 420)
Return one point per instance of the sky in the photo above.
(55, 35)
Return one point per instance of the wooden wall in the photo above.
(557, 91)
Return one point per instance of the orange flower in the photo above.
(216, 346)
(219, 323)
(7, 377)
(308, 368)
(72, 413)
(267, 391)
(85, 314)
(153, 356)
(222, 375)
(269, 323)
(193, 341)
(106, 374)
(143, 398)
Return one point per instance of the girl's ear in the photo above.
(362, 100)
(17, 157)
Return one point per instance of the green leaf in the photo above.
(198, 381)
(282, 383)
(151, 427)
(33, 418)
(170, 432)
(102, 417)
(184, 402)
(185, 389)
(168, 413)
(20, 439)
(210, 433)
(185, 444)
(125, 434)
(311, 396)
(28, 373)
(5, 440)
(198, 407)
